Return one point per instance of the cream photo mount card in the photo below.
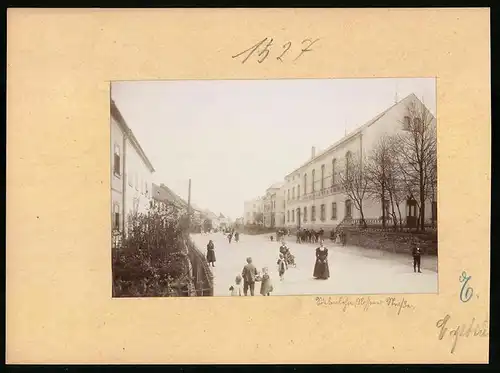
(308, 161)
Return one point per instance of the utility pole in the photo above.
(189, 204)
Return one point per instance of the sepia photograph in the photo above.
(273, 187)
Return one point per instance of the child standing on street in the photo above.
(266, 286)
(236, 288)
(416, 253)
(281, 267)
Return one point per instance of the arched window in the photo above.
(305, 183)
(334, 161)
(313, 179)
(322, 176)
(348, 160)
(293, 193)
(293, 216)
(288, 215)
(298, 191)
(305, 213)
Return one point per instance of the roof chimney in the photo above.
(313, 152)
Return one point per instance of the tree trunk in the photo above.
(383, 204)
(422, 199)
(394, 219)
(400, 218)
(362, 216)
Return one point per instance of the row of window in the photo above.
(132, 181)
(322, 179)
(293, 215)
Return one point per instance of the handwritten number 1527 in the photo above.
(263, 48)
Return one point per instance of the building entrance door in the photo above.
(411, 214)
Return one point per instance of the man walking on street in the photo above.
(249, 273)
(416, 258)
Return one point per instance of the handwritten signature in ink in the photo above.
(473, 329)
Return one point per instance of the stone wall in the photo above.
(396, 242)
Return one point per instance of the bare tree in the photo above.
(431, 174)
(395, 189)
(354, 182)
(377, 170)
(416, 155)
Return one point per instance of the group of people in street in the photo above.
(245, 283)
(232, 233)
(249, 276)
(309, 235)
(282, 233)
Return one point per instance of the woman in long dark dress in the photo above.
(321, 270)
(211, 253)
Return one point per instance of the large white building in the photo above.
(252, 210)
(313, 196)
(131, 173)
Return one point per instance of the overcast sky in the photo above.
(235, 138)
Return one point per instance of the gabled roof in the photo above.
(221, 216)
(115, 113)
(276, 185)
(354, 133)
(196, 208)
(163, 193)
(210, 214)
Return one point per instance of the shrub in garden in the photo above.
(152, 259)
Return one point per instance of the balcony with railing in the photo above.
(325, 192)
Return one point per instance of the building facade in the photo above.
(274, 207)
(131, 173)
(252, 212)
(313, 194)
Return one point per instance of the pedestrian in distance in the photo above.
(211, 253)
(417, 254)
(266, 286)
(249, 275)
(281, 267)
(338, 237)
(237, 236)
(230, 237)
(235, 289)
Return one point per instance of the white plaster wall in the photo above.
(139, 182)
(116, 181)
